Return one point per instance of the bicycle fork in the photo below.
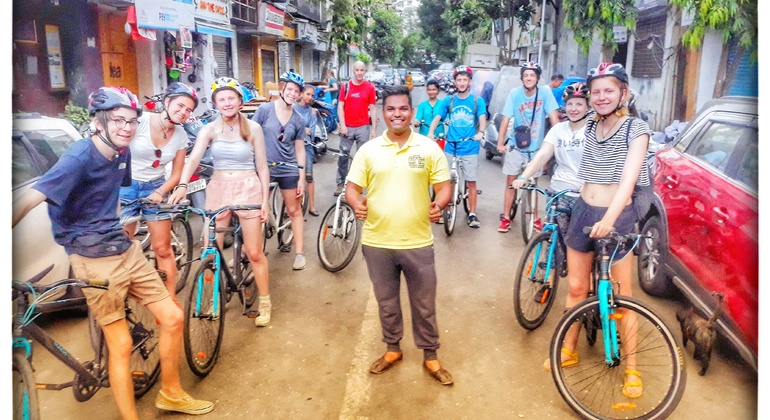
(609, 318)
(548, 264)
(209, 254)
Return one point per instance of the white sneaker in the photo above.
(264, 314)
(300, 262)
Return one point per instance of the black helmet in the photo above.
(109, 97)
(575, 90)
(607, 69)
(180, 89)
(531, 65)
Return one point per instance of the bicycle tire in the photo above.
(514, 206)
(530, 313)
(203, 334)
(145, 352)
(450, 212)
(182, 247)
(466, 197)
(593, 389)
(345, 242)
(247, 295)
(527, 214)
(26, 405)
(305, 203)
(285, 235)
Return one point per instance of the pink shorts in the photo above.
(232, 187)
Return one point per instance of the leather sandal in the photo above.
(568, 359)
(634, 384)
(381, 365)
(441, 375)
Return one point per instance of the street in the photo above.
(312, 361)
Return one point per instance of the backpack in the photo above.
(475, 109)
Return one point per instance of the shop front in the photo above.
(266, 47)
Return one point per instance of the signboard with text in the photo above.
(271, 20)
(166, 15)
(217, 11)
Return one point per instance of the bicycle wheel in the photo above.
(336, 248)
(145, 354)
(182, 246)
(285, 232)
(249, 292)
(25, 402)
(514, 205)
(528, 202)
(305, 203)
(594, 389)
(534, 287)
(204, 328)
(450, 211)
(466, 206)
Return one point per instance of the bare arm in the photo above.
(299, 147)
(354, 198)
(540, 159)
(341, 116)
(443, 195)
(502, 134)
(201, 143)
(433, 125)
(260, 161)
(176, 172)
(24, 204)
(373, 115)
(554, 117)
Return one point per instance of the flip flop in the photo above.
(569, 359)
(636, 384)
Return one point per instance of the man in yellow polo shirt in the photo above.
(396, 170)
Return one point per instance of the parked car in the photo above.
(418, 79)
(442, 70)
(391, 76)
(703, 223)
(37, 143)
(402, 74)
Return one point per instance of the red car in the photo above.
(703, 225)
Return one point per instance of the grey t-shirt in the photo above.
(283, 150)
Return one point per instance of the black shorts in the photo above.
(585, 215)
(286, 182)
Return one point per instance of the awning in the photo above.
(210, 29)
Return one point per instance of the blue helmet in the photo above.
(295, 78)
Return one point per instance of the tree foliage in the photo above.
(587, 17)
(349, 19)
(384, 44)
(441, 38)
(413, 48)
(734, 18)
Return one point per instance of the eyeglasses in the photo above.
(158, 154)
(121, 123)
(281, 130)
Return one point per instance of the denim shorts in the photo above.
(286, 182)
(309, 153)
(137, 190)
(585, 215)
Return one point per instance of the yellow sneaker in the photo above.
(186, 404)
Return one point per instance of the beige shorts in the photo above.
(130, 275)
(228, 188)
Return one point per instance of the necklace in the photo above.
(232, 127)
(163, 127)
(604, 132)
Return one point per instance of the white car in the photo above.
(418, 79)
(37, 143)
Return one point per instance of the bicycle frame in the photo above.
(550, 226)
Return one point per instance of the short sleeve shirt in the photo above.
(397, 181)
(334, 94)
(310, 120)
(282, 150)
(143, 151)
(519, 107)
(568, 152)
(82, 191)
(426, 112)
(357, 103)
(603, 162)
(462, 122)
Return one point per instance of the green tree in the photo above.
(587, 17)
(413, 49)
(349, 19)
(384, 44)
(734, 18)
(441, 38)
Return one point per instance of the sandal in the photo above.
(633, 384)
(569, 358)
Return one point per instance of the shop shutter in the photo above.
(648, 43)
(307, 63)
(222, 56)
(316, 65)
(245, 59)
(746, 75)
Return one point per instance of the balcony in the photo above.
(307, 9)
(245, 12)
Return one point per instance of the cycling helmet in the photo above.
(608, 69)
(575, 90)
(463, 69)
(108, 98)
(180, 89)
(295, 78)
(226, 83)
(531, 65)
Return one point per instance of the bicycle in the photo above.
(214, 285)
(280, 223)
(590, 387)
(536, 278)
(181, 237)
(456, 179)
(29, 302)
(525, 201)
(339, 233)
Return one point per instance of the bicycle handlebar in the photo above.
(338, 152)
(293, 165)
(23, 286)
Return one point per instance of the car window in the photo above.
(22, 167)
(748, 169)
(716, 143)
(49, 144)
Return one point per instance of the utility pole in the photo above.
(542, 35)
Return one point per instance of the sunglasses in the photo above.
(281, 130)
(158, 154)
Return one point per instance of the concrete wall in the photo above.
(569, 61)
(711, 56)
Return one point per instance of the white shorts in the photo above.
(515, 161)
(469, 166)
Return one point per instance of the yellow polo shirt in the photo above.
(397, 180)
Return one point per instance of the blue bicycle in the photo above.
(633, 337)
(543, 261)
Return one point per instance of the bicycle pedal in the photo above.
(285, 248)
(478, 192)
(252, 313)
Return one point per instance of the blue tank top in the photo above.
(233, 155)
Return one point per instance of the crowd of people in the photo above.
(599, 150)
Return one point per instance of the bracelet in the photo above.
(522, 178)
(179, 186)
(158, 191)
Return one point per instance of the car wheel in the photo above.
(652, 275)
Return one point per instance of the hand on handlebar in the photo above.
(600, 229)
(519, 183)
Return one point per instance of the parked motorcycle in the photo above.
(325, 110)
(447, 84)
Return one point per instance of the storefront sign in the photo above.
(289, 32)
(55, 66)
(308, 32)
(271, 20)
(165, 14)
(620, 33)
(217, 11)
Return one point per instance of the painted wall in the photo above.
(708, 72)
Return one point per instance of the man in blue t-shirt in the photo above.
(467, 116)
(528, 106)
(81, 190)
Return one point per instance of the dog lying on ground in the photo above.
(700, 331)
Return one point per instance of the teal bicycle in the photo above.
(213, 286)
(543, 261)
(633, 337)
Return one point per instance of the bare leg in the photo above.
(310, 196)
(622, 271)
(472, 196)
(509, 196)
(252, 246)
(294, 208)
(119, 345)
(171, 320)
(160, 237)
